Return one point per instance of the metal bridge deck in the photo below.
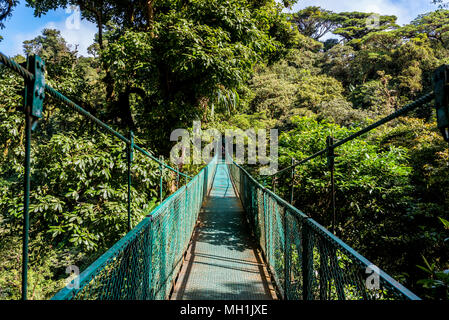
(223, 262)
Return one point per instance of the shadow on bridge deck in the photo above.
(223, 261)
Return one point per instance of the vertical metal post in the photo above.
(307, 263)
(323, 272)
(286, 257)
(441, 89)
(177, 179)
(293, 181)
(148, 262)
(334, 215)
(26, 204)
(160, 180)
(130, 150)
(275, 180)
(337, 274)
(331, 166)
(33, 107)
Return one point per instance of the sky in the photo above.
(24, 26)
(405, 10)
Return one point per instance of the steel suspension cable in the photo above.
(419, 102)
(28, 76)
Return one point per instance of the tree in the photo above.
(330, 43)
(138, 14)
(53, 49)
(180, 55)
(193, 53)
(314, 22)
(313, 90)
(6, 8)
(96, 11)
(273, 95)
(77, 78)
(338, 61)
(356, 25)
(434, 24)
(375, 96)
(441, 3)
(289, 3)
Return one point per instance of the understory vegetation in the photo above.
(160, 65)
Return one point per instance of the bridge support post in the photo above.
(160, 180)
(293, 181)
(441, 84)
(26, 205)
(307, 262)
(331, 166)
(33, 108)
(130, 151)
(287, 256)
(324, 272)
(177, 178)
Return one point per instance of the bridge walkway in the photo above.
(223, 262)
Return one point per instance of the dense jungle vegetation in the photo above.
(159, 65)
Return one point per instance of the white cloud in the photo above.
(82, 37)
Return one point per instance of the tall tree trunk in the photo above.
(100, 32)
(150, 13)
(98, 12)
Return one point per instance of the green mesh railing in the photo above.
(143, 264)
(305, 260)
(119, 273)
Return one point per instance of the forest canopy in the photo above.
(159, 65)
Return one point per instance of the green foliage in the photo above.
(375, 96)
(41, 276)
(193, 57)
(438, 283)
(353, 25)
(317, 89)
(342, 112)
(374, 191)
(6, 9)
(78, 190)
(315, 22)
(158, 65)
(434, 25)
(272, 95)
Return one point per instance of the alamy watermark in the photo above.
(373, 21)
(373, 279)
(73, 22)
(73, 281)
(190, 148)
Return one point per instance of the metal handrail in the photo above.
(28, 76)
(385, 278)
(120, 250)
(30, 84)
(409, 107)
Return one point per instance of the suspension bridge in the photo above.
(221, 235)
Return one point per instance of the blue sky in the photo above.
(24, 26)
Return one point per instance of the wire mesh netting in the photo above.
(143, 264)
(305, 260)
